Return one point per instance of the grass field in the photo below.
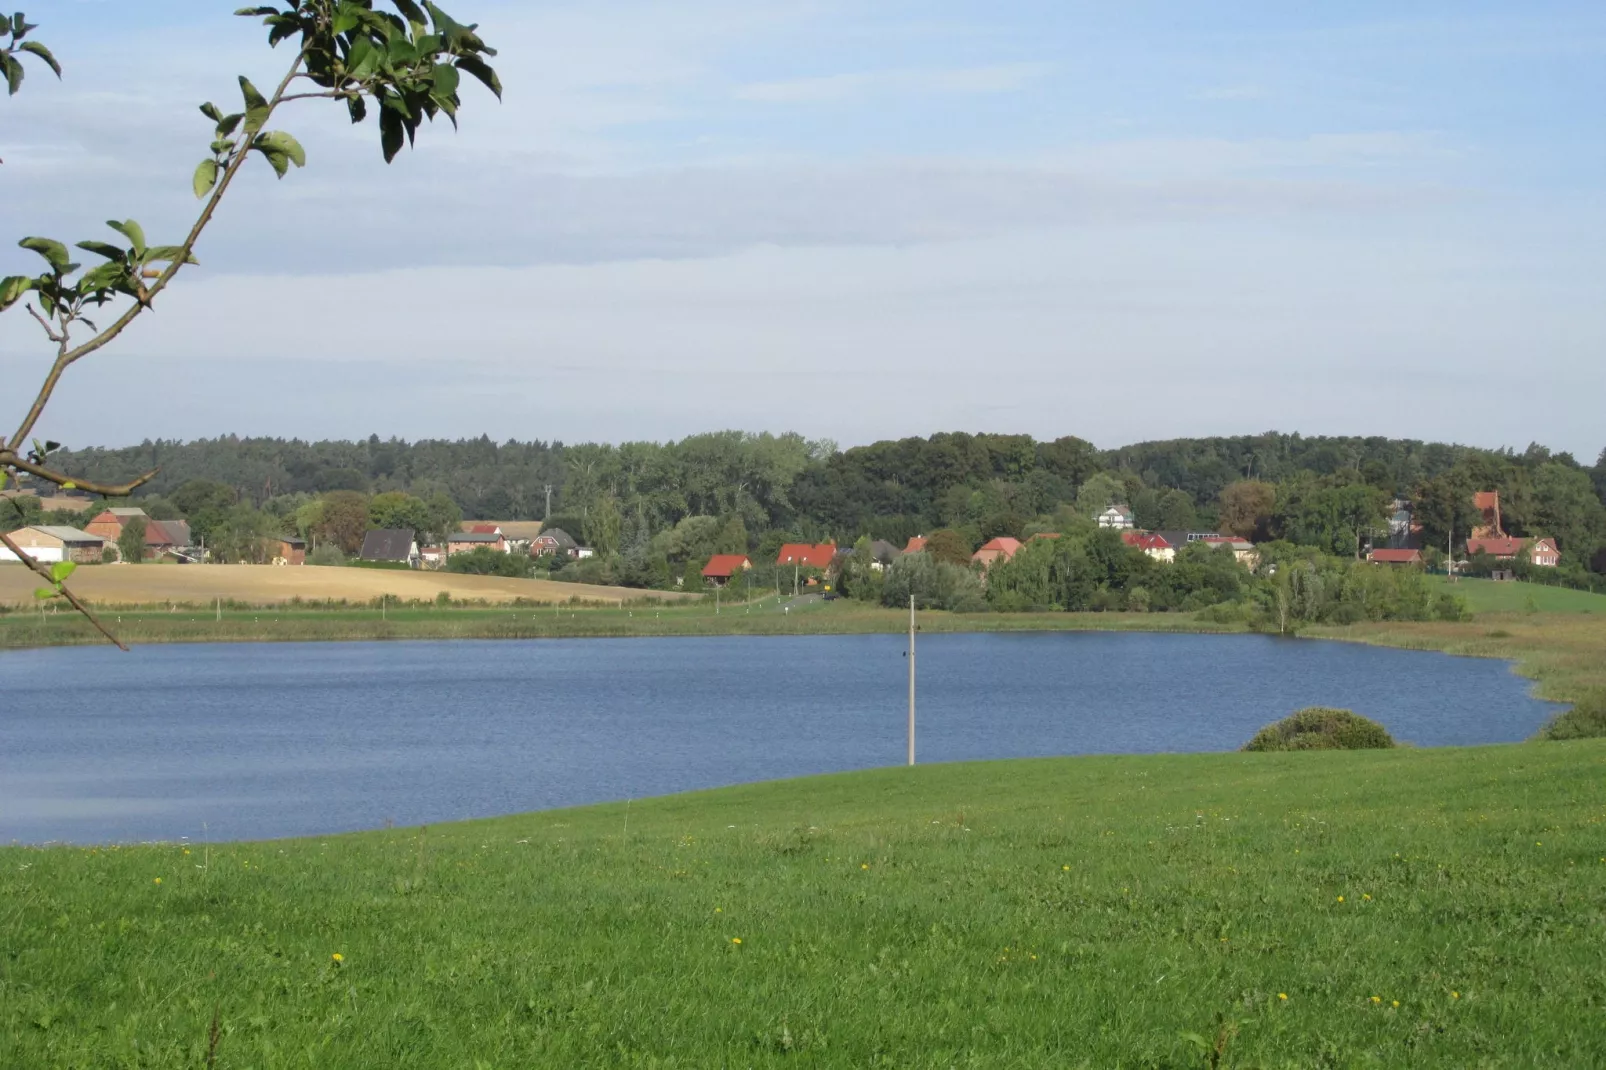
(1487, 596)
(1414, 908)
(111, 585)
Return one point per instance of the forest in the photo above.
(651, 509)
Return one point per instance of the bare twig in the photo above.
(49, 331)
(39, 567)
(9, 459)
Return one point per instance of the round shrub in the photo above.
(1322, 728)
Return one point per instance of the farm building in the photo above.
(395, 545)
(721, 568)
(50, 543)
(1000, 549)
(290, 551)
(465, 541)
(1395, 556)
(1541, 552)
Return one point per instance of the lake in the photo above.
(255, 741)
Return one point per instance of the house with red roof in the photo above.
(1000, 549)
(1541, 552)
(805, 555)
(917, 544)
(1151, 543)
(1242, 549)
(721, 568)
(1395, 557)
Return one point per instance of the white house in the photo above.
(1116, 516)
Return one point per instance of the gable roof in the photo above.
(917, 543)
(993, 549)
(67, 534)
(1498, 546)
(481, 529)
(801, 553)
(556, 537)
(127, 511)
(724, 566)
(1146, 541)
(482, 538)
(1395, 557)
(883, 551)
(387, 544)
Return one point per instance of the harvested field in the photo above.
(266, 584)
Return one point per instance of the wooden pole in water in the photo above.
(911, 680)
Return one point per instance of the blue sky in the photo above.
(1123, 221)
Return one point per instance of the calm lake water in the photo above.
(250, 741)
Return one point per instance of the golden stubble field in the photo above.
(267, 584)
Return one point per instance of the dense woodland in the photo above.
(651, 509)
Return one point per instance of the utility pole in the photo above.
(911, 679)
(794, 577)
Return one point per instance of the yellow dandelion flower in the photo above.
(736, 940)
(1340, 899)
(719, 910)
(1377, 999)
(864, 865)
(337, 958)
(1366, 896)
(1455, 995)
(1395, 1003)
(1065, 869)
(1283, 996)
(158, 880)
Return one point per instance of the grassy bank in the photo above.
(1406, 908)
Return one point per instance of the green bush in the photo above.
(1321, 728)
(1586, 720)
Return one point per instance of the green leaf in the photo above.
(276, 159)
(52, 251)
(281, 142)
(12, 287)
(205, 177)
(43, 53)
(13, 73)
(211, 111)
(162, 254)
(346, 19)
(105, 249)
(401, 53)
(481, 70)
(44, 594)
(362, 59)
(226, 125)
(446, 80)
(62, 569)
(390, 132)
(105, 276)
(410, 11)
(357, 108)
(132, 231)
(256, 106)
(251, 12)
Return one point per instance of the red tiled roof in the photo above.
(801, 553)
(917, 543)
(724, 566)
(1145, 540)
(1500, 546)
(484, 529)
(993, 549)
(1395, 557)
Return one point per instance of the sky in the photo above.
(857, 221)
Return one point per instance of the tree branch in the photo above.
(9, 459)
(39, 567)
(67, 358)
(50, 331)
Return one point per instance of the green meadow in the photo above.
(1408, 908)
(1487, 596)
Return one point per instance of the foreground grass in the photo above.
(1416, 908)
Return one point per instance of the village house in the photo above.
(110, 523)
(50, 543)
(289, 550)
(432, 557)
(554, 541)
(805, 555)
(1242, 549)
(395, 545)
(721, 568)
(1151, 543)
(993, 550)
(1540, 552)
(916, 545)
(1395, 556)
(520, 534)
(467, 541)
(1116, 516)
(882, 554)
